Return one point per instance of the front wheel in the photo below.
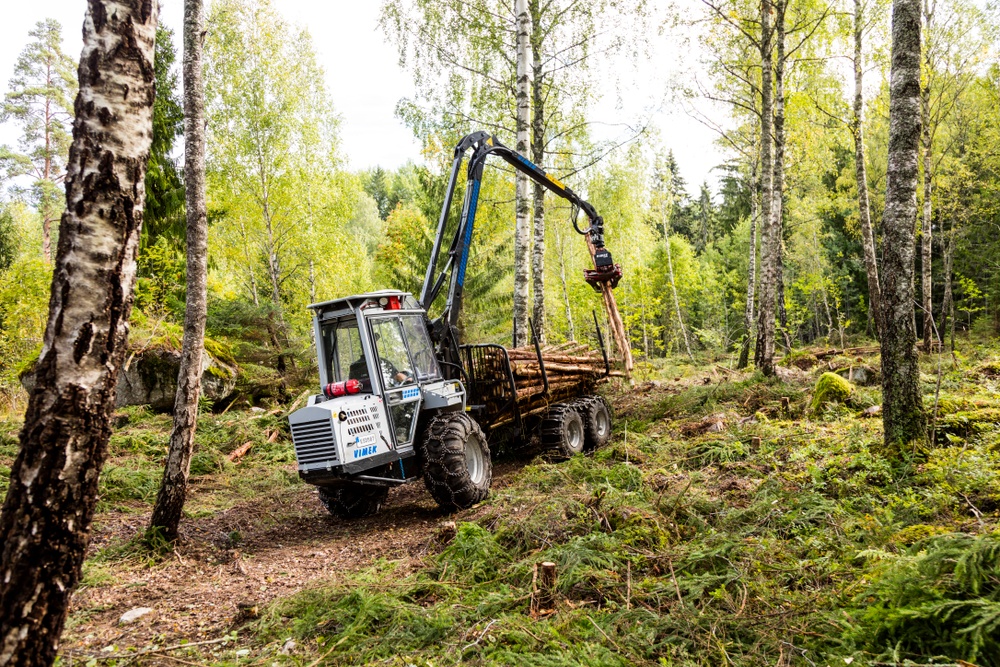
(456, 460)
(355, 501)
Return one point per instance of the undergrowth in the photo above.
(784, 538)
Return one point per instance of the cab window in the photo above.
(345, 356)
(394, 362)
(421, 350)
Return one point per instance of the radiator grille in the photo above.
(314, 442)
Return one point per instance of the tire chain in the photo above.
(446, 474)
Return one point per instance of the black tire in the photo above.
(456, 461)
(596, 414)
(355, 501)
(563, 431)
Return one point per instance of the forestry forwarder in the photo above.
(402, 399)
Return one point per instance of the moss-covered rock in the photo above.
(829, 388)
(149, 377)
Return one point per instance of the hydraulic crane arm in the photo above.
(603, 277)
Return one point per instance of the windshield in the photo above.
(345, 358)
(420, 347)
(394, 361)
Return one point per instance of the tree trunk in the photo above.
(769, 237)
(173, 491)
(948, 301)
(571, 333)
(861, 175)
(538, 157)
(522, 224)
(748, 318)
(926, 233)
(778, 184)
(673, 288)
(902, 413)
(47, 514)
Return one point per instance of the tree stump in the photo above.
(543, 594)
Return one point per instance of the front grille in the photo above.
(314, 442)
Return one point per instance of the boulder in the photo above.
(829, 388)
(149, 377)
(866, 376)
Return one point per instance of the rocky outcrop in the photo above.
(149, 377)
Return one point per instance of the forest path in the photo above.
(251, 553)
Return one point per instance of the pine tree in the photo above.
(40, 101)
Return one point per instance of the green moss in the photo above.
(219, 372)
(912, 534)
(220, 350)
(829, 388)
(969, 422)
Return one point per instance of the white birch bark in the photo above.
(46, 517)
(861, 175)
(769, 240)
(173, 491)
(522, 203)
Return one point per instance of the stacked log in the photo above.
(572, 370)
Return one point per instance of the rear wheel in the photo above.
(563, 431)
(355, 501)
(596, 420)
(457, 466)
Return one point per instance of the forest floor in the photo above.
(729, 521)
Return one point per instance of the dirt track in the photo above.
(253, 553)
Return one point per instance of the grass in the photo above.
(785, 538)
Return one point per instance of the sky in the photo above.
(366, 82)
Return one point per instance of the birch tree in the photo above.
(166, 514)
(47, 514)
(268, 115)
(522, 225)
(902, 413)
(860, 22)
(465, 58)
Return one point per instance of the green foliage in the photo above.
(940, 597)
(164, 189)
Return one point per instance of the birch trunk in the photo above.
(538, 157)
(902, 414)
(861, 175)
(522, 207)
(764, 351)
(748, 313)
(778, 183)
(673, 288)
(571, 333)
(47, 514)
(947, 303)
(926, 233)
(173, 491)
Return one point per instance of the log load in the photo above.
(572, 369)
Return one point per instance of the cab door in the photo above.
(399, 379)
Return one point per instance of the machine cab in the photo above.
(378, 375)
(380, 347)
